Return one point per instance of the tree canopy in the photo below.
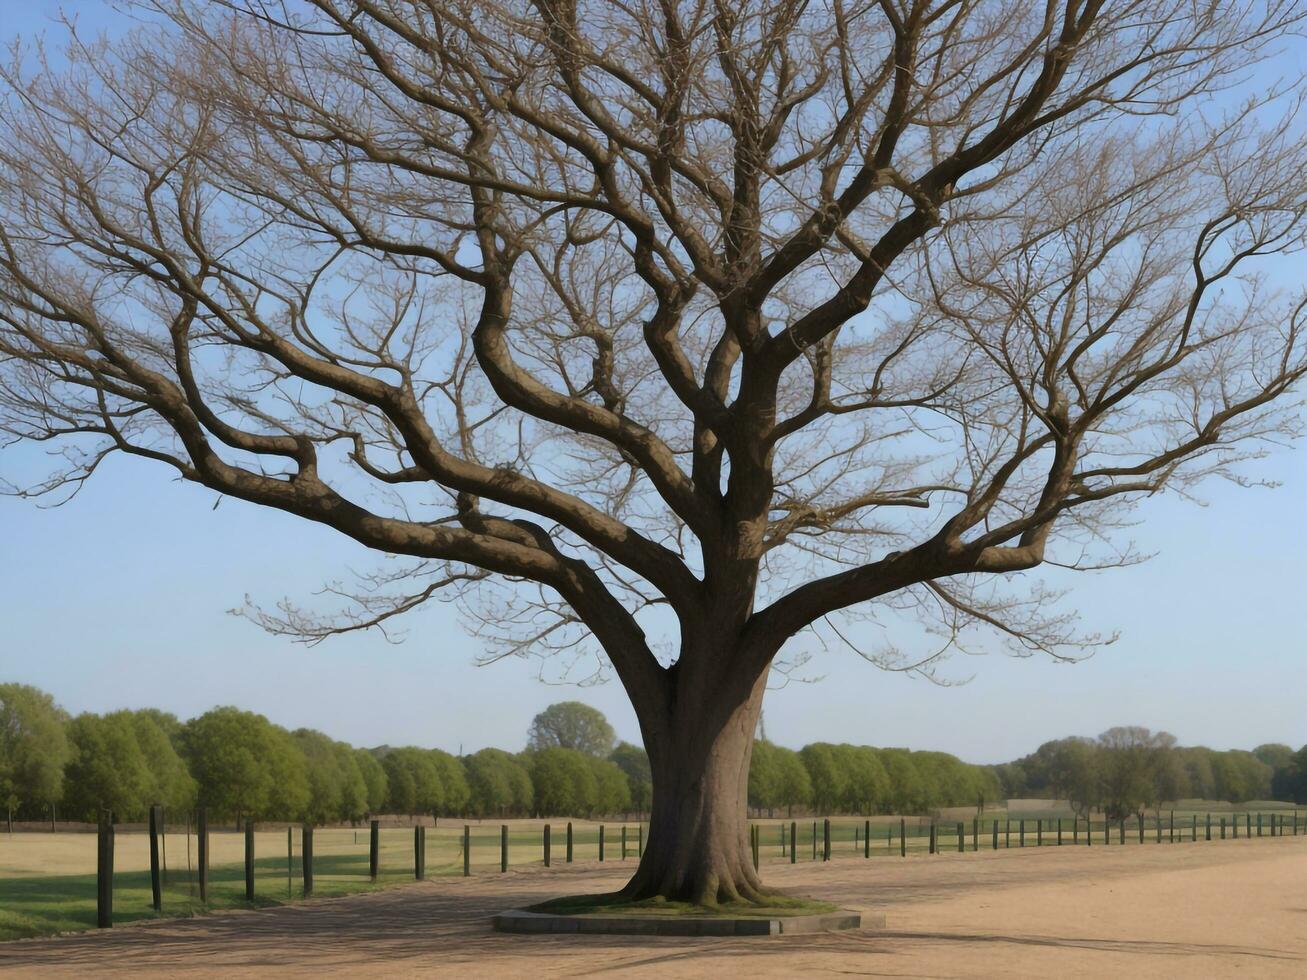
(572, 725)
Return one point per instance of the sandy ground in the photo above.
(1192, 910)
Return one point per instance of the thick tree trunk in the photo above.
(698, 847)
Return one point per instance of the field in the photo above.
(47, 881)
(1200, 910)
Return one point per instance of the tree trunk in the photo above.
(699, 751)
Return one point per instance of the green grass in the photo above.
(615, 904)
(46, 905)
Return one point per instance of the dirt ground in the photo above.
(1235, 908)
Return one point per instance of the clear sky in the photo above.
(119, 599)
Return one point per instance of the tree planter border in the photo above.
(546, 923)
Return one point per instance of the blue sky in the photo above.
(119, 599)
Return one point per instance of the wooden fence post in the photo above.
(601, 842)
(419, 852)
(1121, 831)
(623, 842)
(903, 837)
(1007, 832)
(794, 841)
(1059, 831)
(996, 835)
(503, 847)
(569, 842)
(467, 851)
(1039, 832)
(1075, 830)
(814, 840)
(104, 871)
(1021, 833)
(962, 838)
(1171, 825)
(975, 834)
(1259, 825)
(825, 839)
(202, 851)
(374, 849)
(933, 839)
(546, 843)
(1159, 826)
(290, 860)
(1194, 836)
(156, 885)
(1248, 825)
(866, 839)
(306, 858)
(249, 859)
(1209, 826)
(1223, 828)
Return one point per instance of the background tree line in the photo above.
(1129, 770)
(236, 762)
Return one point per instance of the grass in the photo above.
(615, 904)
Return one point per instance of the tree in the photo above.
(825, 774)
(767, 316)
(572, 725)
(612, 792)
(244, 764)
(374, 779)
(634, 762)
(906, 793)
(1129, 761)
(413, 777)
(454, 792)
(170, 782)
(498, 784)
(107, 770)
(34, 747)
(563, 782)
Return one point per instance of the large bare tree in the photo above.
(668, 329)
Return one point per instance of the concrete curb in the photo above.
(541, 923)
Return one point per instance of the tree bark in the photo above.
(699, 751)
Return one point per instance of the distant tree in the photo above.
(634, 762)
(827, 776)
(612, 791)
(905, 790)
(34, 747)
(454, 792)
(374, 779)
(1200, 780)
(1129, 760)
(498, 783)
(244, 764)
(170, 781)
(563, 782)
(764, 776)
(1279, 758)
(866, 784)
(572, 725)
(107, 769)
(1296, 781)
(413, 776)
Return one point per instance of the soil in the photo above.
(1234, 908)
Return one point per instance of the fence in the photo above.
(251, 866)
